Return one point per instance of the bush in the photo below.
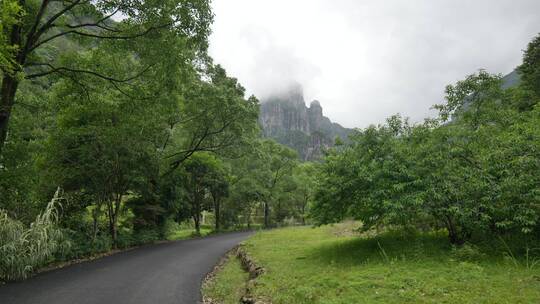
(83, 246)
(23, 249)
(467, 253)
(146, 237)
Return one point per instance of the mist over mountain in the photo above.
(285, 117)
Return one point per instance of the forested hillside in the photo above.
(115, 114)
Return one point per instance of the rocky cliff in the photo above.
(286, 118)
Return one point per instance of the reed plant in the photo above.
(23, 249)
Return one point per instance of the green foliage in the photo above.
(475, 170)
(124, 115)
(468, 252)
(529, 70)
(204, 177)
(23, 249)
(10, 14)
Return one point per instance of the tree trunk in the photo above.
(197, 198)
(197, 221)
(110, 215)
(114, 235)
(456, 235)
(95, 224)
(303, 215)
(115, 221)
(248, 218)
(9, 85)
(266, 215)
(114, 212)
(8, 90)
(217, 211)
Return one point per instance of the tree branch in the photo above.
(47, 25)
(98, 36)
(31, 37)
(54, 69)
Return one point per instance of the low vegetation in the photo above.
(229, 284)
(338, 264)
(24, 249)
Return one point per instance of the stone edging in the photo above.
(254, 270)
(249, 265)
(212, 274)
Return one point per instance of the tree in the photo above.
(528, 92)
(146, 26)
(246, 194)
(219, 189)
(214, 116)
(10, 14)
(100, 141)
(372, 180)
(305, 176)
(472, 171)
(278, 161)
(200, 171)
(529, 70)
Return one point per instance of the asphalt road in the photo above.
(159, 274)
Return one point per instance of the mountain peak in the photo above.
(286, 118)
(292, 93)
(315, 103)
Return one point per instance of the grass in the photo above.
(324, 265)
(229, 284)
(183, 234)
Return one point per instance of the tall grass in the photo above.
(25, 248)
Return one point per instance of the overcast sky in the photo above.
(366, 60)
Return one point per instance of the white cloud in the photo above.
(367, 60)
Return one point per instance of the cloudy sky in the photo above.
(366, 60)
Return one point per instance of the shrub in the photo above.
(23, 249)
(467, 253)
(146, 237)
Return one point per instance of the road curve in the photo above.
(169, 273)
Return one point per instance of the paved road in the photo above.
(158, 274)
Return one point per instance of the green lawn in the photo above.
(331, 265)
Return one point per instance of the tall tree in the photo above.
(101, 142)
(219, 190)
(214, 116)
(305, 176)
(278, 161)
(200, 170)
(32, 35)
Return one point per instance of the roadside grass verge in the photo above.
(322, 265)
(229, 283)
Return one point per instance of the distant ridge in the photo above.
(511, 80)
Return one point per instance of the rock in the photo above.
(285, 118)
